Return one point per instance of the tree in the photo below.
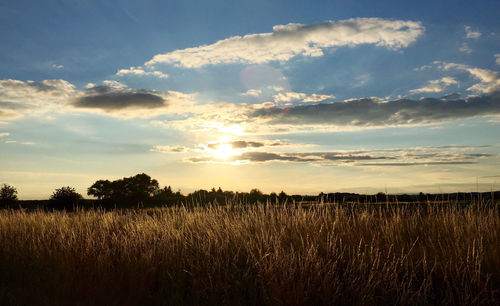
(255, 195)
(101, 189)
(65, 197)
(128, 191)
(8, 195)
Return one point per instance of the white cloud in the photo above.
(287, 41)
(252, 92)
(470, 34)
(436, 85)
(169, 149)
(4, 134)
(56, 66)
(30, 92)
(139, 71)
(288, 96)
(276, 88)
(421, 68)
(497, 58)
(361, 80)
(489, 80)
(465, 48)
(315, 98)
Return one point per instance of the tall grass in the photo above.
(267, 254)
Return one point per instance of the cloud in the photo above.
(252, 92)
(48, 91)
(56, 66)
(7, 114)
(315, 98)
(288, 97)
(445, 155)
(436, 85)
(110, 98)
(489, 80)
(470, 34)
(465, 48)
(452, 96)
(422, 68)
(417, 164)
(287, 41)
(4, 134)
(371, 112)
(242, 144)
(170, 149)
(497, 58)
(139, 71)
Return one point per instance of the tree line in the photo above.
(140, 191)
(143, 191)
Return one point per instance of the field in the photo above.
(252, 255)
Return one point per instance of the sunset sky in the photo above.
(300, 96)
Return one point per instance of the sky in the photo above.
(299, 96)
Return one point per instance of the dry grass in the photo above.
(264, 254)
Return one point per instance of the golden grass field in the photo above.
(252, 255)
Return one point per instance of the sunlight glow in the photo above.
(224, 151)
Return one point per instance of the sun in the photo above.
(223, 151)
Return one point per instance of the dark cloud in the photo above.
(295, 157)
(241, 144)
(371, 112)
(452, 96)
(111, 98)
(419, 164)
(395, 157)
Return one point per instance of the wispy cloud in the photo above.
(252, 92)
(287, 41)
(436, 85)
(7, 114)
(139, 71)
(465, 48)
(470, 34)
(489, 80)
(56, 66)
(47, 91)
(287, 97)
(315, 98)
(170, 149)
(428, 156)
(497, 58)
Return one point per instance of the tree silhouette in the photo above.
(65, 198)
(8, 195)
(102, 189)
(129, 191)
(255, 196)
